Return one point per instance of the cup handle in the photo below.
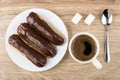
(97, 64)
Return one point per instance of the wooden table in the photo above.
(67, 69)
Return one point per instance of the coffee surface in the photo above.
(84, 47)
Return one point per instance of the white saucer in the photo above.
(53, 20)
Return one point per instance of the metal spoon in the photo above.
(106, 21)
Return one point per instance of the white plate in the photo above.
(51, 18)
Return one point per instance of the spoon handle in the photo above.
(107, 50)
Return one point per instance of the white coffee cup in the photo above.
(93, 60)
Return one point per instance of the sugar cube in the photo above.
(77, 17)
(90, 18)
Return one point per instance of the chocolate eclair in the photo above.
(43, 28)
(34, 56)
(28, 34)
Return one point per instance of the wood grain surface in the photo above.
(67, 69)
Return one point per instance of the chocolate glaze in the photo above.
(43, 28)
(34, 56)
(28, 34)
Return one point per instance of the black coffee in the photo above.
(83, 47)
